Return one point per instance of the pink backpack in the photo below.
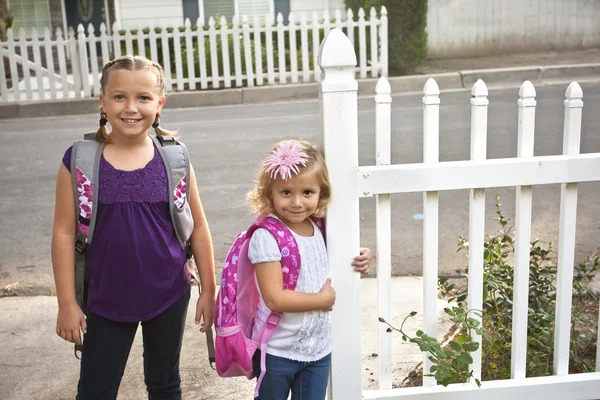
(238, 298)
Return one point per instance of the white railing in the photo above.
(222, 55)
(338, 104)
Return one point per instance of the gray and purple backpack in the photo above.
(85, 165)
(238, 298)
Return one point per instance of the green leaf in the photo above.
(471, 346)
(455, 346)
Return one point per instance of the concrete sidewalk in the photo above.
(37, 364)
(450, 74)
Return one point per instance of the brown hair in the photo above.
(131, 63)
(260, 197)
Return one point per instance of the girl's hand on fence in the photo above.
(205, 311)
(70, 323)
(361, 263)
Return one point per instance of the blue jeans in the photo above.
(306, 380)
(106, 347)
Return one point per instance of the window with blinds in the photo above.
(219, 8)
(29, 14)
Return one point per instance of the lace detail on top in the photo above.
(315, 334)
(143, 185)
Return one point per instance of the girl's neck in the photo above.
(132, 142)
(304, 228)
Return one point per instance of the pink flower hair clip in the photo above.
(284, 160)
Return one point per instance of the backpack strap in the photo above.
(290, 264)
(85, 162)
(177, 163)
(320, 222)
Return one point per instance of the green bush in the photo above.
(407, 34)
(497, 306)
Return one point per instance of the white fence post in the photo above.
(14, 72)
(117, 40)
(37, 60)
(523, 204)
(269, 42)
(83, 61)
(258, 51)
(93, 60)
(304, 47)
(202, 54)
(281, 48)
(431, 152)
(247, 52)
(293, 52)
(566, 238)
(362, 41)
(62, 64)
(214, 56)
(75, 68)
(374, 48)
(164, 39)
(339, 118)
(50, 62)
(479, 108)
(224, 53)
(383, 42)
(191, 68)
(178, 63)
(237, 52)
(25, 65)
(383, 218)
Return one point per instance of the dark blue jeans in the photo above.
(106, 348)
(306, 380)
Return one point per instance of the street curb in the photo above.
(532, 73)
(307, 91)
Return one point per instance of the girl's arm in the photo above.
(202, 249)
(70, 321)
(270, 282)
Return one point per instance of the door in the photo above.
(283, 7)
(84, 12)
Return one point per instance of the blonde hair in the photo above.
(260, 197)
(131, 63)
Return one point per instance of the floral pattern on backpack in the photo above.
(85, 193)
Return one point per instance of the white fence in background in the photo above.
(469, 28)
(222, 55)
(338, 106)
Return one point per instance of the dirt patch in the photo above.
(27, 289)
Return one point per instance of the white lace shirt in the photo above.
(303, 336)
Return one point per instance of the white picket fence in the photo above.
(218, 56)
(338, 108)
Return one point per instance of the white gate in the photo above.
(338, 106)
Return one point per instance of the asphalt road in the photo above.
(227, 143)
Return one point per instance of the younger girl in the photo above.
(137, 269)
(293, 186)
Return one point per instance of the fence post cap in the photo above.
(431, 88)
(479, 89)
(574, 91)
(383, 86)
(527, 90)
(384, 10)
(336, 51)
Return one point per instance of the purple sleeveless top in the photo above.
(136, 267)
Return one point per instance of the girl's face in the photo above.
(131, 101)
(296, 199)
